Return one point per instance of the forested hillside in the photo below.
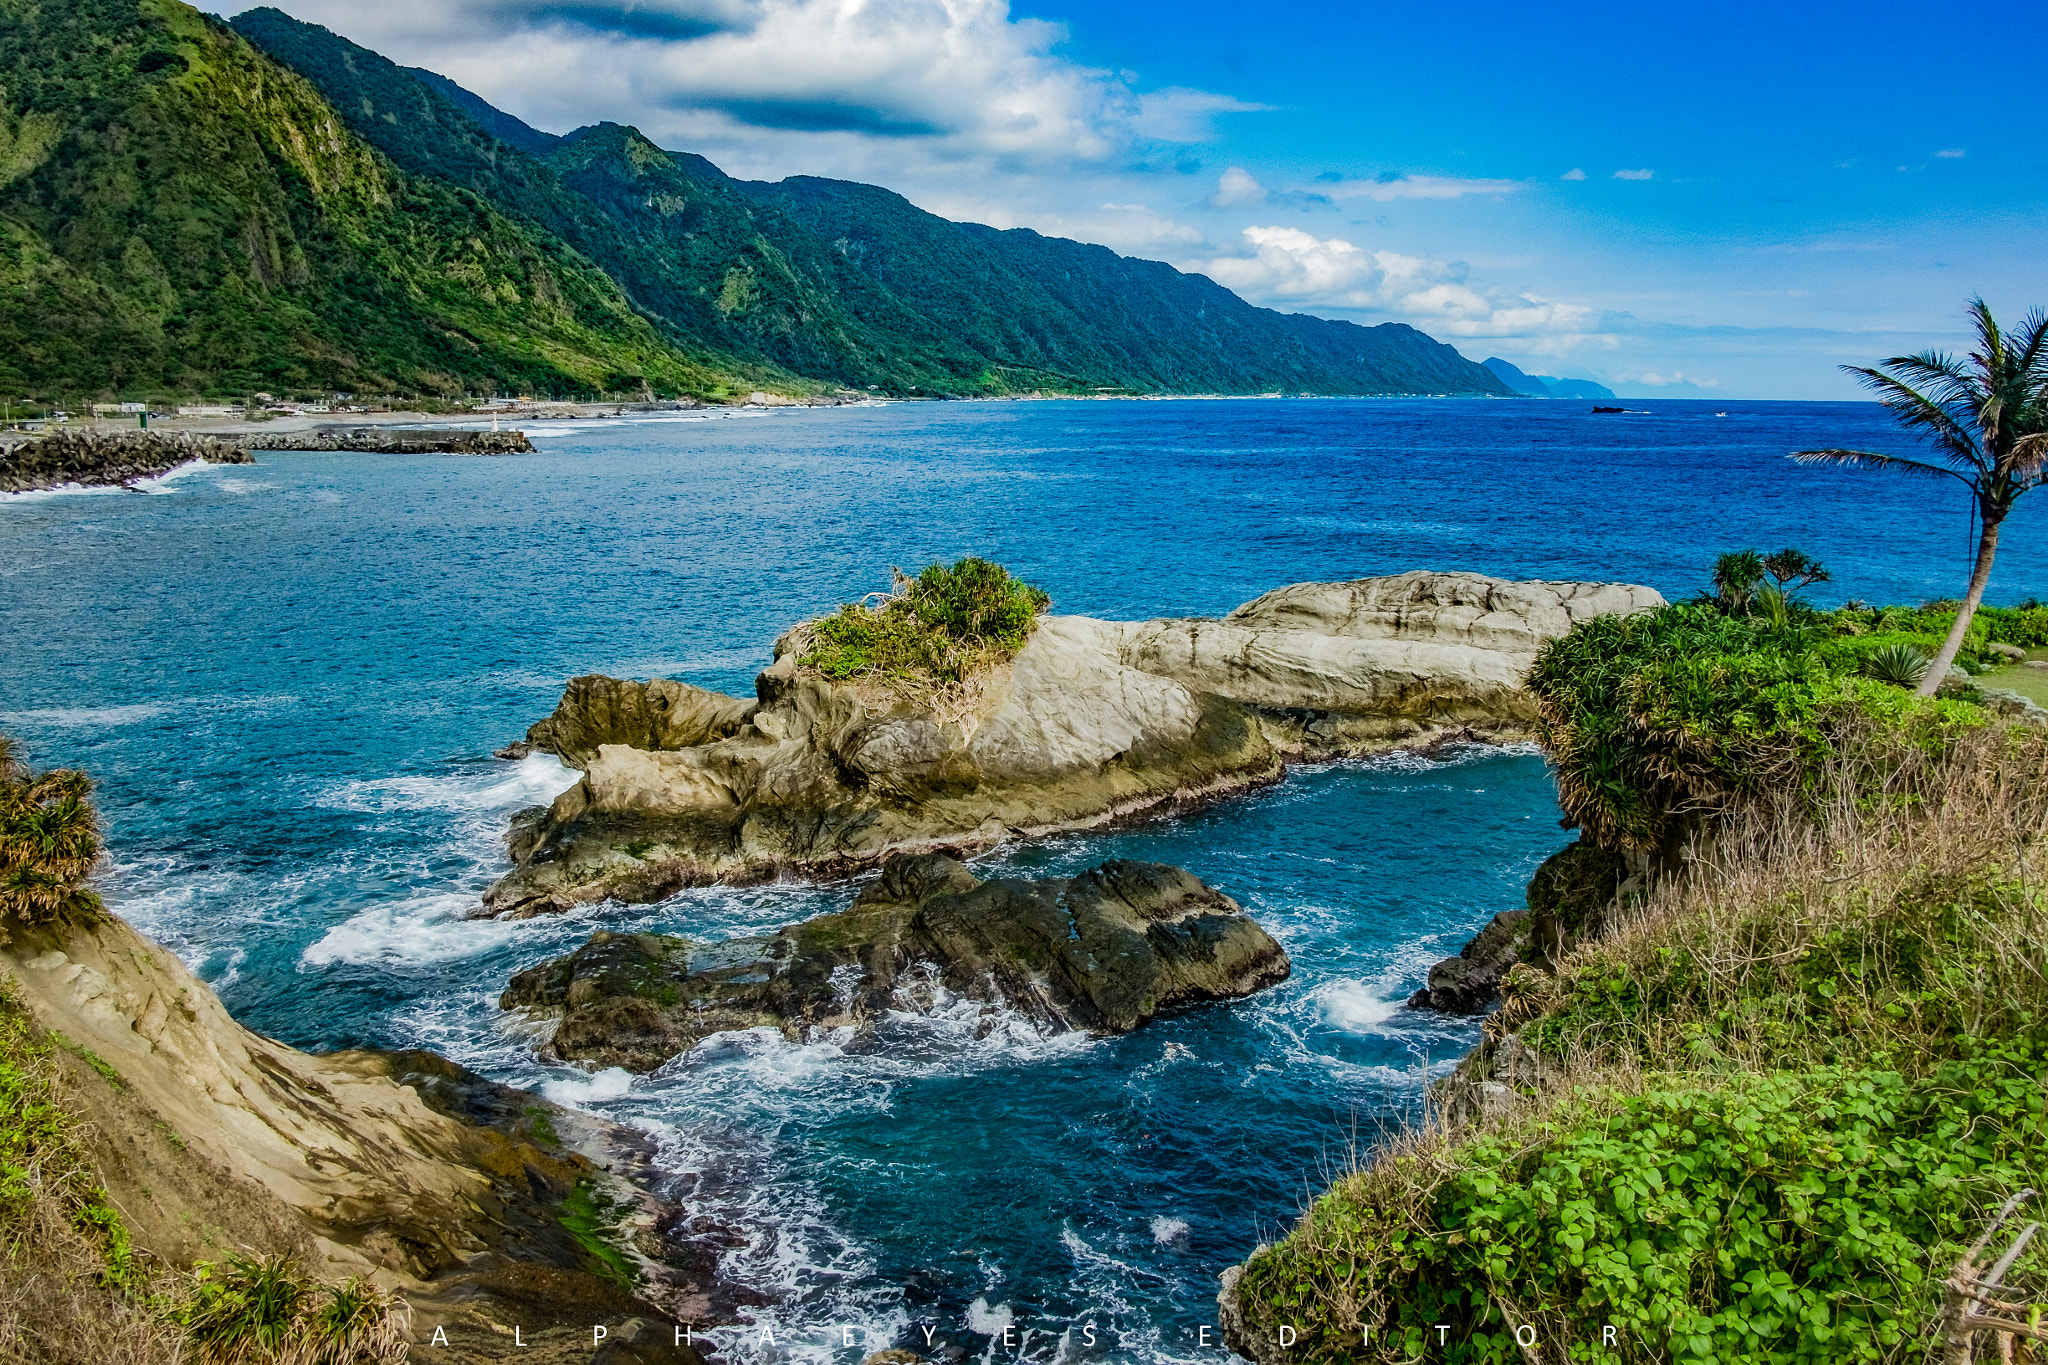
(192, 206)
(180, 213)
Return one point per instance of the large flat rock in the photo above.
(1092, 722)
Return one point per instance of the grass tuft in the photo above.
(943, 626)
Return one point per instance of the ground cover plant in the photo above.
(946, 625)
(1759, 1117)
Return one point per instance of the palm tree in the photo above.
(1986, 417)
(49, 841)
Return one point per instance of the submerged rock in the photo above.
(1105, 951)
(1093, 722)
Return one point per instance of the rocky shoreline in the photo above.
(106, 459)
(1104, 951)
(1093, 723)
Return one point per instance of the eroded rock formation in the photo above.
(401, 1167)
(1092, 722)
(1105, 950)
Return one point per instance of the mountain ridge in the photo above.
(194, 205)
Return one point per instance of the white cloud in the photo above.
(1633, 175)
(1236, 186)
(1386, 188)
(1573, 174)
(1290, 267)
(1676, 377)
(957, 78)
(1953, 153)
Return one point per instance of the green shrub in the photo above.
(49, 841)
(1901, 665)
(1653, 722)
(944, 626)
(1787, 1219)
(265, 1310)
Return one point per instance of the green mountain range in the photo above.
(192, 206)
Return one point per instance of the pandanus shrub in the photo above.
(49, 842)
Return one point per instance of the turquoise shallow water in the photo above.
(289, 678)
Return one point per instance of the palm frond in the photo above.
(2031, 355)
(1950, 430)
(1870, 459)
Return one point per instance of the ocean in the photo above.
(289, 679)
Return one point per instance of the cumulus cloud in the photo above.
(1236, 186)
(1287, 266)
(1573, 174)
(1633, 175)
(961, 75)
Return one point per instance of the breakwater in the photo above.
(107, 459)
(370, 439)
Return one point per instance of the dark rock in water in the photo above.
(1470, 982)
(516, 750)
(106, 459)
(1105, 951)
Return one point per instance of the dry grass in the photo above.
(1890, 921)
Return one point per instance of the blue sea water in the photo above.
(289, 678)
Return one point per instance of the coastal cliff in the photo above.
(483, 1207)
(1091, 722)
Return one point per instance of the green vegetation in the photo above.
(1657, 721)
(252, 1310)
(1758, 1116)
(49, 840)
(1986, 418)
(189, 207)
(589, 1216)
(45, 1170)
(539, 1125)
(944, 626)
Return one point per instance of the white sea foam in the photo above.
(989, 1321)
(601, 1087)
(1167, 1231)
(1357, 1007)
(418, 932)
(535, 780)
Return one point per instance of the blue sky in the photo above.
(1708, 202)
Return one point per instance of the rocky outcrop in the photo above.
(1092, 722)
(1470, 982)
(596, 710)
(106, 459)
(1570, 899)
(469, 1197)
(1104, 951)
(378, 440)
